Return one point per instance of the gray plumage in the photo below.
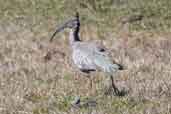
(88, 56)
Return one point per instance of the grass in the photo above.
(32, 83)
(156, 13)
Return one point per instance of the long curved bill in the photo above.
(60, 29)
(57, 30)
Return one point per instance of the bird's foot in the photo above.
(116, 91)
(112, 91)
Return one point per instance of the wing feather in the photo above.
(90, 56)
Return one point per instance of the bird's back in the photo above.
(92, 56)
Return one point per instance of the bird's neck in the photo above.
(74, 36)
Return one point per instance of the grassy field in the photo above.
(137, 33)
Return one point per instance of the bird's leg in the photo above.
(91, 82)
(116, 91)
(90, 85)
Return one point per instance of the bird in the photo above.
(88, 56)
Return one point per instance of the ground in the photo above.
(38, 77)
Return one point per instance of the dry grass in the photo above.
(31, 83)
(38, 77)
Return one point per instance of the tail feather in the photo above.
(120, 67)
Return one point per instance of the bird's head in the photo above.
(71, 24)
